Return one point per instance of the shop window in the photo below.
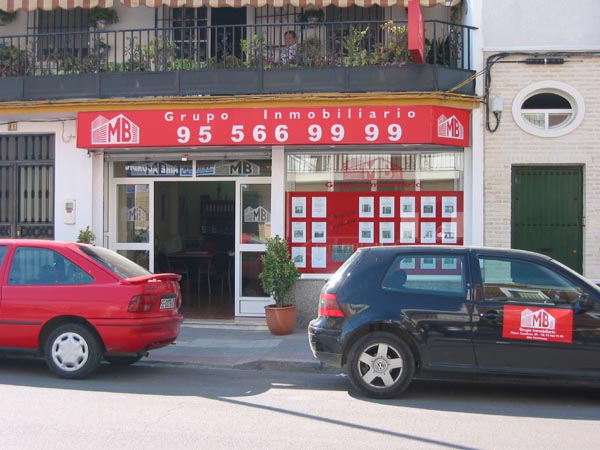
(375, 171)
(548, 109)
(341, 201)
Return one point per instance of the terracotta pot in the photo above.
(281, 319)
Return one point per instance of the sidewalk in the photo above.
(238, 344)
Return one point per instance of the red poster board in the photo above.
(325, 228)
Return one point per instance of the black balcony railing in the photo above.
(251, 47)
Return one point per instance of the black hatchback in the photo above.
(391, 314)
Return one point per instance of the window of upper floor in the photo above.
(548, 109)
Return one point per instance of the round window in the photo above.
(548, 109)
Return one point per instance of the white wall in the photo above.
(541, 24)
(72, 176)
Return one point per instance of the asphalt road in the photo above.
(185, 407)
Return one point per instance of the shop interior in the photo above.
(194, 228)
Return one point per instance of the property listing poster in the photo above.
(325, 228)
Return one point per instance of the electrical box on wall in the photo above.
(69, 212)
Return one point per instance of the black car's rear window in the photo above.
(123, 267)
(431, 273)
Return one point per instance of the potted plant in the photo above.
(7, 17)
(100, 17)
(311, 15)
(278, 277)
(86, 236)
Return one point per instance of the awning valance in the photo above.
(48, 5)
(279, 3)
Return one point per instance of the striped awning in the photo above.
(48, 5)
(279, 3)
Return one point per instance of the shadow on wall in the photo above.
(305, 295)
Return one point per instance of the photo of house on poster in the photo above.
(365, 232)
(407, 232)
(449, 233)
(428, 233)
(449, 207)
(298, 206)
(299, 256)
(386, 207)
(298, 232)
(386, 232)
(319, 257)
(428, 207)
(407, 207)
(319, 207)
(366, 207)
(319, 232)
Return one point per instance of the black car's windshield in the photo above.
(120, 265)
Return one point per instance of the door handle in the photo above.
(492, 316)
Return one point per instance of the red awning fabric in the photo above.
(48, 5)
(279, 3)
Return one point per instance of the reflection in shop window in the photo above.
(133, 220)
(439, 171)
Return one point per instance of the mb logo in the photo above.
(243, 168)
(118, 130)
(256, 215)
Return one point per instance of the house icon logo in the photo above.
(118, 130)
(541, 319)
(450, 127)
(256, 215)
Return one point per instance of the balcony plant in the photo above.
(278, 277)
(7, 17)
(100, 17)
(311, 15)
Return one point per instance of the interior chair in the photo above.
(204, 273)
(221, 271)
(171, 265)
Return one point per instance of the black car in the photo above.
(391, 314)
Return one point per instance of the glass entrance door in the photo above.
(252, 229)
(133, 222)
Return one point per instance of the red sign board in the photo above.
(416, 32)
(320, 125)
(538, 324)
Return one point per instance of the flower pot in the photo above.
(281, 319)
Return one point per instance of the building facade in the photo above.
(188, 137)
(540, 132)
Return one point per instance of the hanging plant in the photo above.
(311, 15)
(99, 17)
(7, 17)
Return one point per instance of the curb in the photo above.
(296, 365)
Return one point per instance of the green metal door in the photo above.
(547, 212)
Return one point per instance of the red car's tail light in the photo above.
(141, 303)
(328, 306)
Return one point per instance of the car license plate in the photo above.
(167, 303)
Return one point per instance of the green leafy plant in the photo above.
(7, 17)
(311, 15)
(99, 14)
(86, 236)
(253, 50)
(279, 272)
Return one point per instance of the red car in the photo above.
(76, 304)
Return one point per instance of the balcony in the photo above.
(340, 57)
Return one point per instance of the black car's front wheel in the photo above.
(381, 365)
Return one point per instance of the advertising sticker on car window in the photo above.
(538, 324)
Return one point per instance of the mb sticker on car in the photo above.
(538, 324)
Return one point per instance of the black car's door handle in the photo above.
(492, 316)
